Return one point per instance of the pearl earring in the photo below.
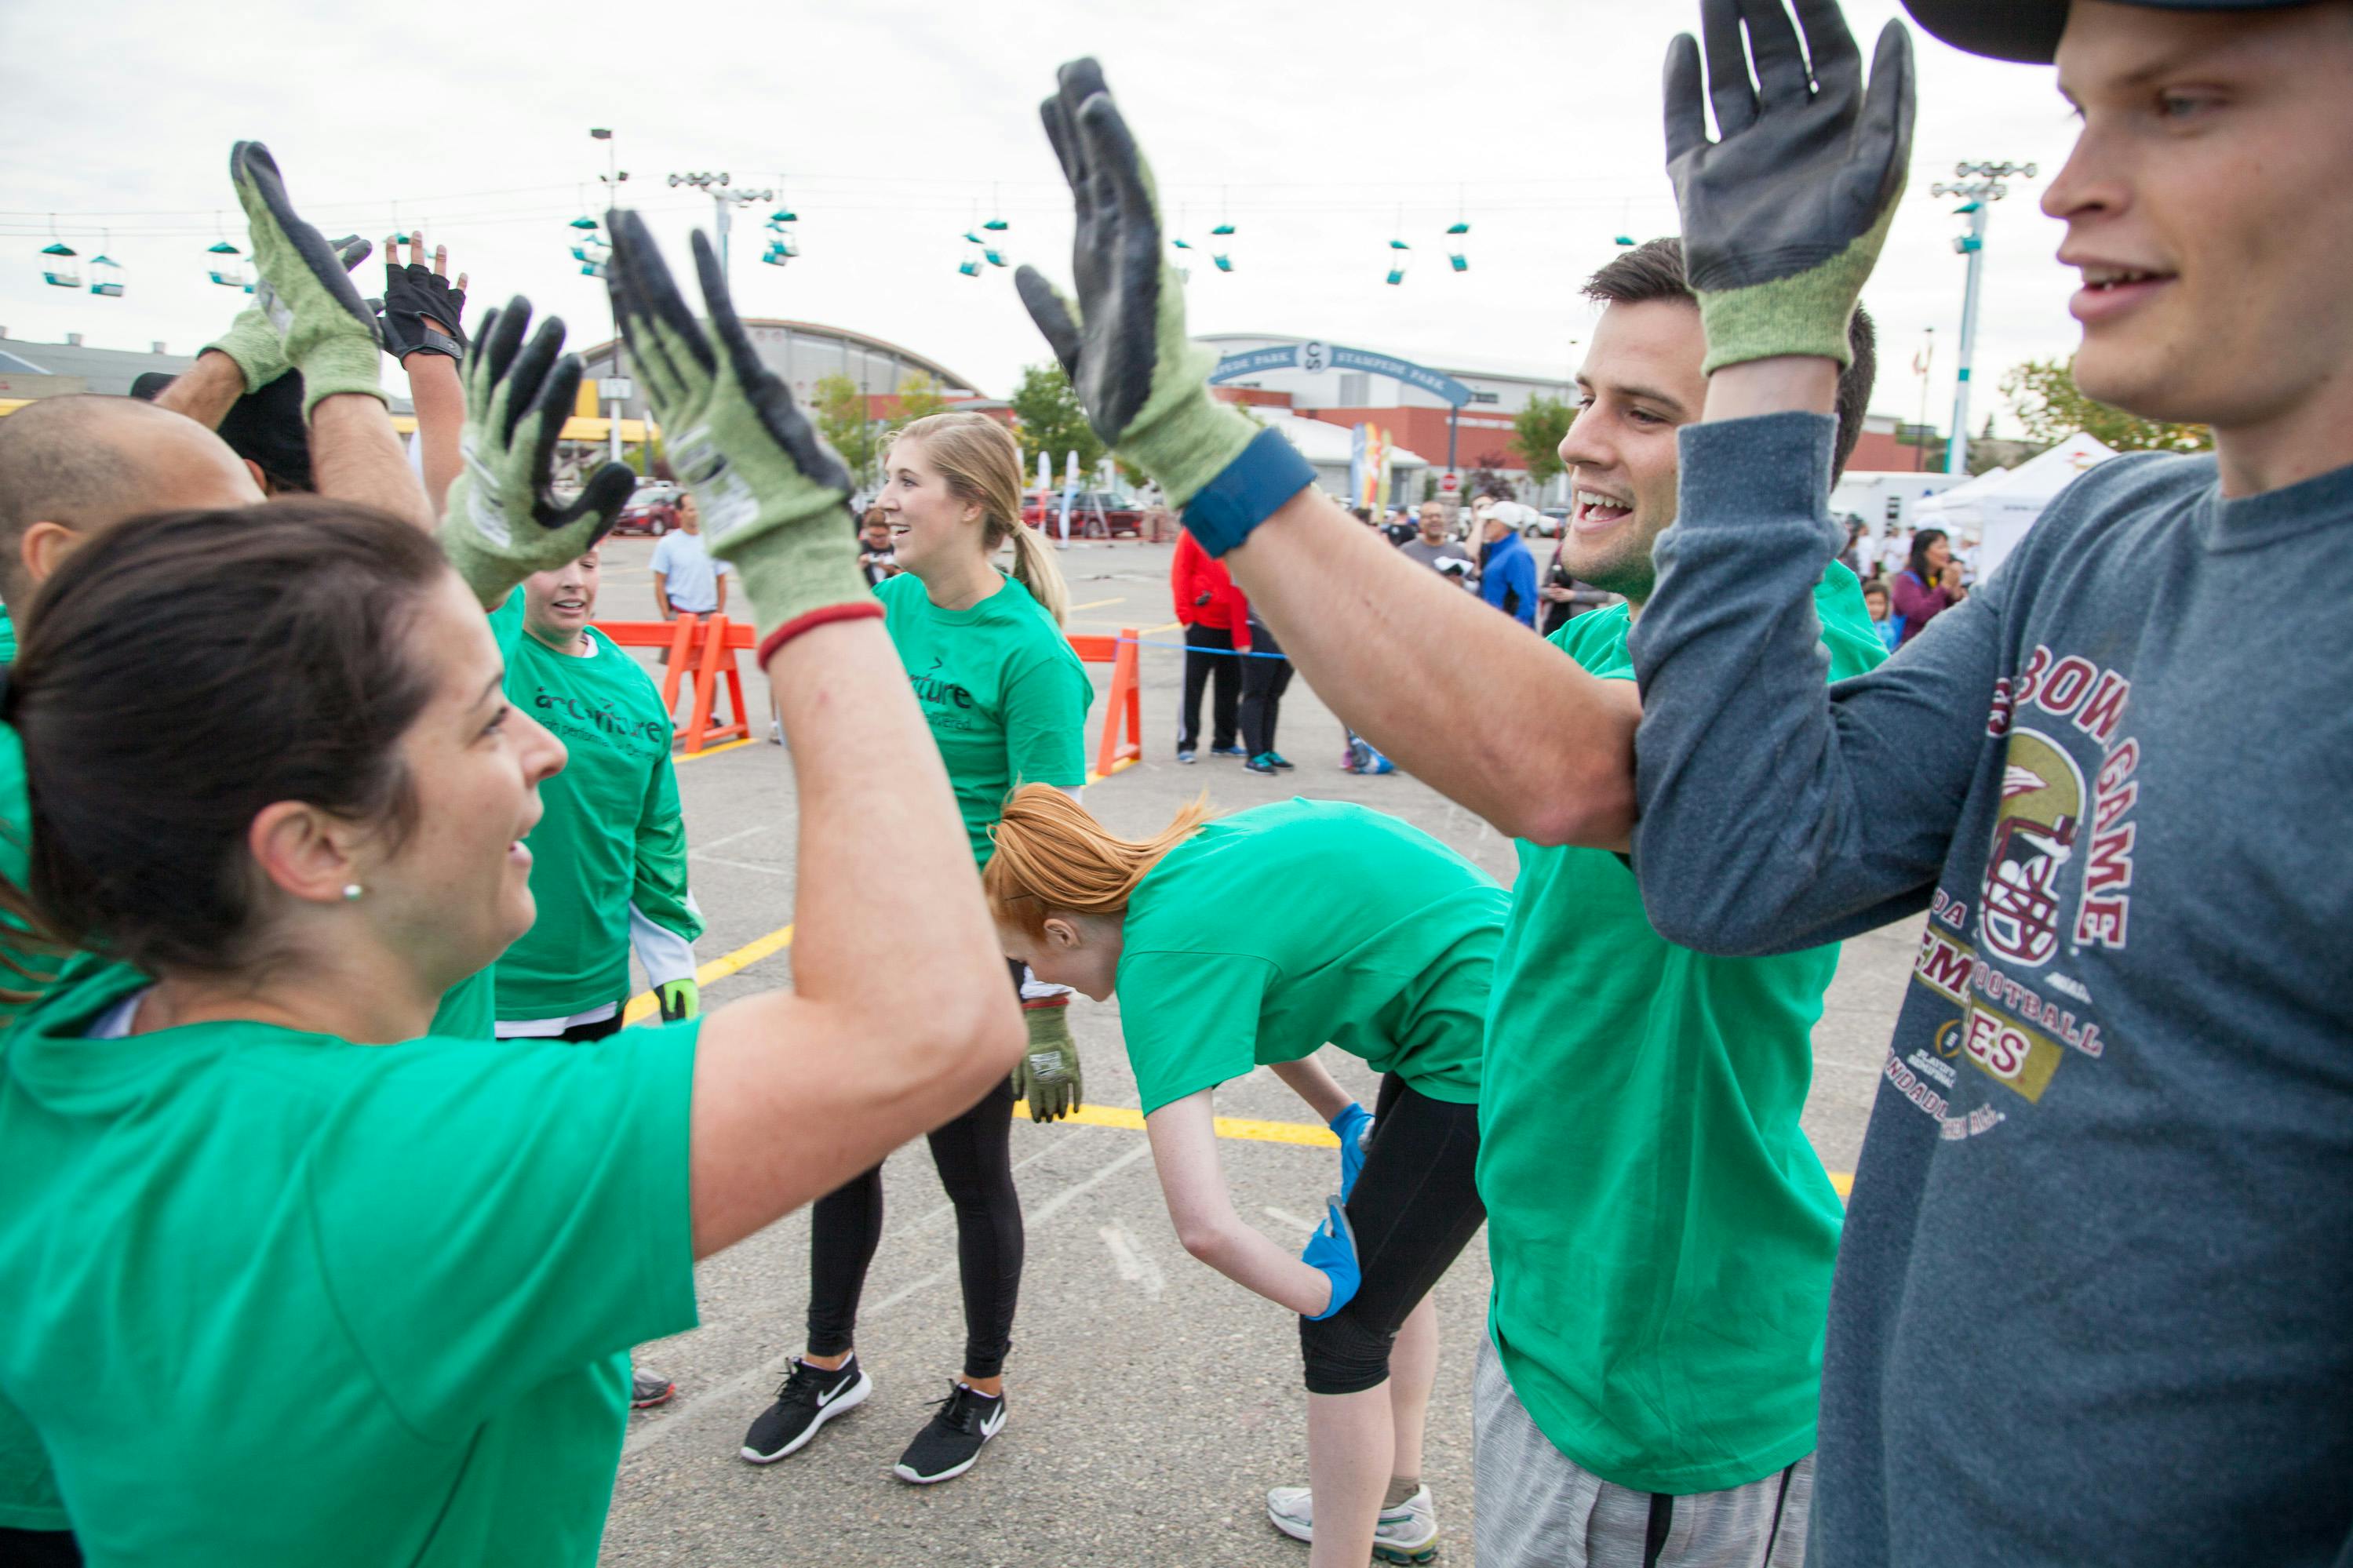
(353, 891)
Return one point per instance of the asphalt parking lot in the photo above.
(1150, 1402)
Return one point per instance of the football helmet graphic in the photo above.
(2033, 839)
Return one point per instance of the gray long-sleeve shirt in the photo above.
(2094, 1297)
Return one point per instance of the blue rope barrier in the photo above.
(1188, 647)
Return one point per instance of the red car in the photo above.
(1094, 514)
(652, 510)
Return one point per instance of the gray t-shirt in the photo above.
(2095, 1297)
(1429, 555)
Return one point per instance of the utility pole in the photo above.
(1981, 184)
(615, 390)
(725, 200)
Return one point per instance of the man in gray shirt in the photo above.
(2091, 1305)
(1434, 550)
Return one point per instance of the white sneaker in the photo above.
(1406, 1533)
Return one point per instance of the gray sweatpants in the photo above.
(1538, 1509)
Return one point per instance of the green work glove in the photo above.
(680, 999)
(1143, 385)
(1048, 1073)
(1784, 215)
(329, 333)
(502, 522)
(252, 339)
(773, 495)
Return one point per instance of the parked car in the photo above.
(652, 510)
(1094, 514)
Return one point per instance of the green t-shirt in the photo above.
(469, 1009)
(1661, 1232)
(376, 1303)
(612, 834)
(1275, 930)
(1005, 695)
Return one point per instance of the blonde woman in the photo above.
(1007, 699)
(1199, 931)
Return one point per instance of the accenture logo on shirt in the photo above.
(601, 716)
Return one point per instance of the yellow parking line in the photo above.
(643, 1005)
(1099, 604)
(1120, 766)
(711, 750)
(1155, 631)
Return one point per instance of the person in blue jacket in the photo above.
(1507, 572)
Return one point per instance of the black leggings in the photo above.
(973, 1156)
(1415, 1209)
(1263, 683)
(1209, 663)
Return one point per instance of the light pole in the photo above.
(1981, 184)
(725, 200)
(615, 389)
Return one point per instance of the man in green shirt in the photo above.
(1662, 1234)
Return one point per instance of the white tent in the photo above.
(1998, 508)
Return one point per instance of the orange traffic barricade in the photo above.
(1122, 731)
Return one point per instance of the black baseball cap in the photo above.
(266, 426)
(2029, 30)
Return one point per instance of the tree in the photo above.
(2044, 394)
(1051, 420)
(1537, 431)
(1486, 478)
(919, 398)
(842, 420)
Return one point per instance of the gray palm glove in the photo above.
(503, 521)
(773, 494)
(1048, 1073)
(252, 339)
(329, 335)
(1783, 216)
(1143, 383)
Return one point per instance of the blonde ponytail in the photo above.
(1034, 568)
(982, 464)
(1052, 855)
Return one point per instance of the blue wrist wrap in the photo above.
(1251, 488)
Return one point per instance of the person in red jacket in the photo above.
(1217, 628)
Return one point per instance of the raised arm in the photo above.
(1777, 812)
(796, 1092)
(1512, 729)
(423, 323)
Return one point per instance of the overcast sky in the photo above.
(1320, 131)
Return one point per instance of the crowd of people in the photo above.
(328, 1175)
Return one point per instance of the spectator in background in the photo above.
(1217, 624)
(1266, 675)
(1884, 619)
(1507, 571)
(1894, 553)
(1855, 557)
(876, 556)
(1565, 598)
(1433, 549)
(1929, 586)
(687, 581)
(1401, 526)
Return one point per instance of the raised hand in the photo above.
(1143, 385)
(773, 495)
(421, 312)
(503, 520)
(305, 289)
(1784, 214)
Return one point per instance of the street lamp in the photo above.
(723, 200)
(1981, 184)
(614, 390)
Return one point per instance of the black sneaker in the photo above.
(809, 1398)
(1263, 764)
(948, 1445)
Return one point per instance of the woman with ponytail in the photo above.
(1255, 940)
(1007, 699)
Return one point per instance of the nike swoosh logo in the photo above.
(836, 1391)
(988, 1428)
